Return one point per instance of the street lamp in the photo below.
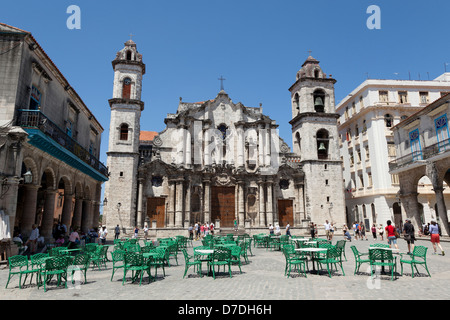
(28, 177)
(105, 202)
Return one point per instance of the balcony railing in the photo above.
(35, 119)
(425, 154)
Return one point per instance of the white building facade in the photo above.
(222, 162)
(367, 145)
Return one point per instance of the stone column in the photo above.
(29, 208)
(179, 204)
(410, 208)
(267, 145)
(49, 212)
(240, 146)
(170, 207)
(206, 151)
(261, 145)
(206, 200)
(86, 220)
(96, 214)
(442, 210)
(241, 204)
(187, 205)
(269, 207)
(140, 202)
(188, 148)
(67, 210)
(77, 214)
(262, 212)
(300, 212)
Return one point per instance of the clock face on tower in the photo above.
(127, 81)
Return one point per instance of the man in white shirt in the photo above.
(327, 229)
(32, 240)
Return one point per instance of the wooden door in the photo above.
(156, 209)
(285, 212)
(223, 206)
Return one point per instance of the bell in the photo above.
(318, 102)
(322, 147)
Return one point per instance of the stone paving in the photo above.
(262, 279)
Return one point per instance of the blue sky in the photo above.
(258, 46)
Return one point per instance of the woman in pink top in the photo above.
(73, 238)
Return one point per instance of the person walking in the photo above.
(327, 229)
(32, 240)
(116, 232)
(145, 232)
(390, 234)
(311, 230)
(103, 234)
(288, 229)
(363, 231)
(374, 232)
(195, 231)
(381, 231)
(271, 232)
(331, 231)
(435, 232)
(408, 235)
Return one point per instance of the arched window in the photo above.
(297, 101)
(126, 88)
(124, 132)
(297, 143)
(129, 55)
(319, 101)
(322, 138)
(316, 73)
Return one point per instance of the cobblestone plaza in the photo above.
(261, 279)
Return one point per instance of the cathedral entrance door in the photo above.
(223, 206)
(156, 208)
(285, 212)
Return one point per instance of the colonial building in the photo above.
(423, 153)
(220, 161)
(49, 142)
(367, 145)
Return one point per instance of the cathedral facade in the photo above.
(222, 162)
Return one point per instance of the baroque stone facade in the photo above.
(222, 162)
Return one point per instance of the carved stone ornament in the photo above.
(157, 141)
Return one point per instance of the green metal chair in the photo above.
(417, 257)
(293, 259)
(99, 257)
(383, 258)
(220, 257)
(341, 245)
(135, 263)
(159, 261)
(54, 266)
(189, 261)
(118, 261)
(360, 258)
(79, 263)
(18, 265)
(332, 258)
(236, 256)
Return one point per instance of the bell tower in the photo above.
(123, 150)
(315, 140)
